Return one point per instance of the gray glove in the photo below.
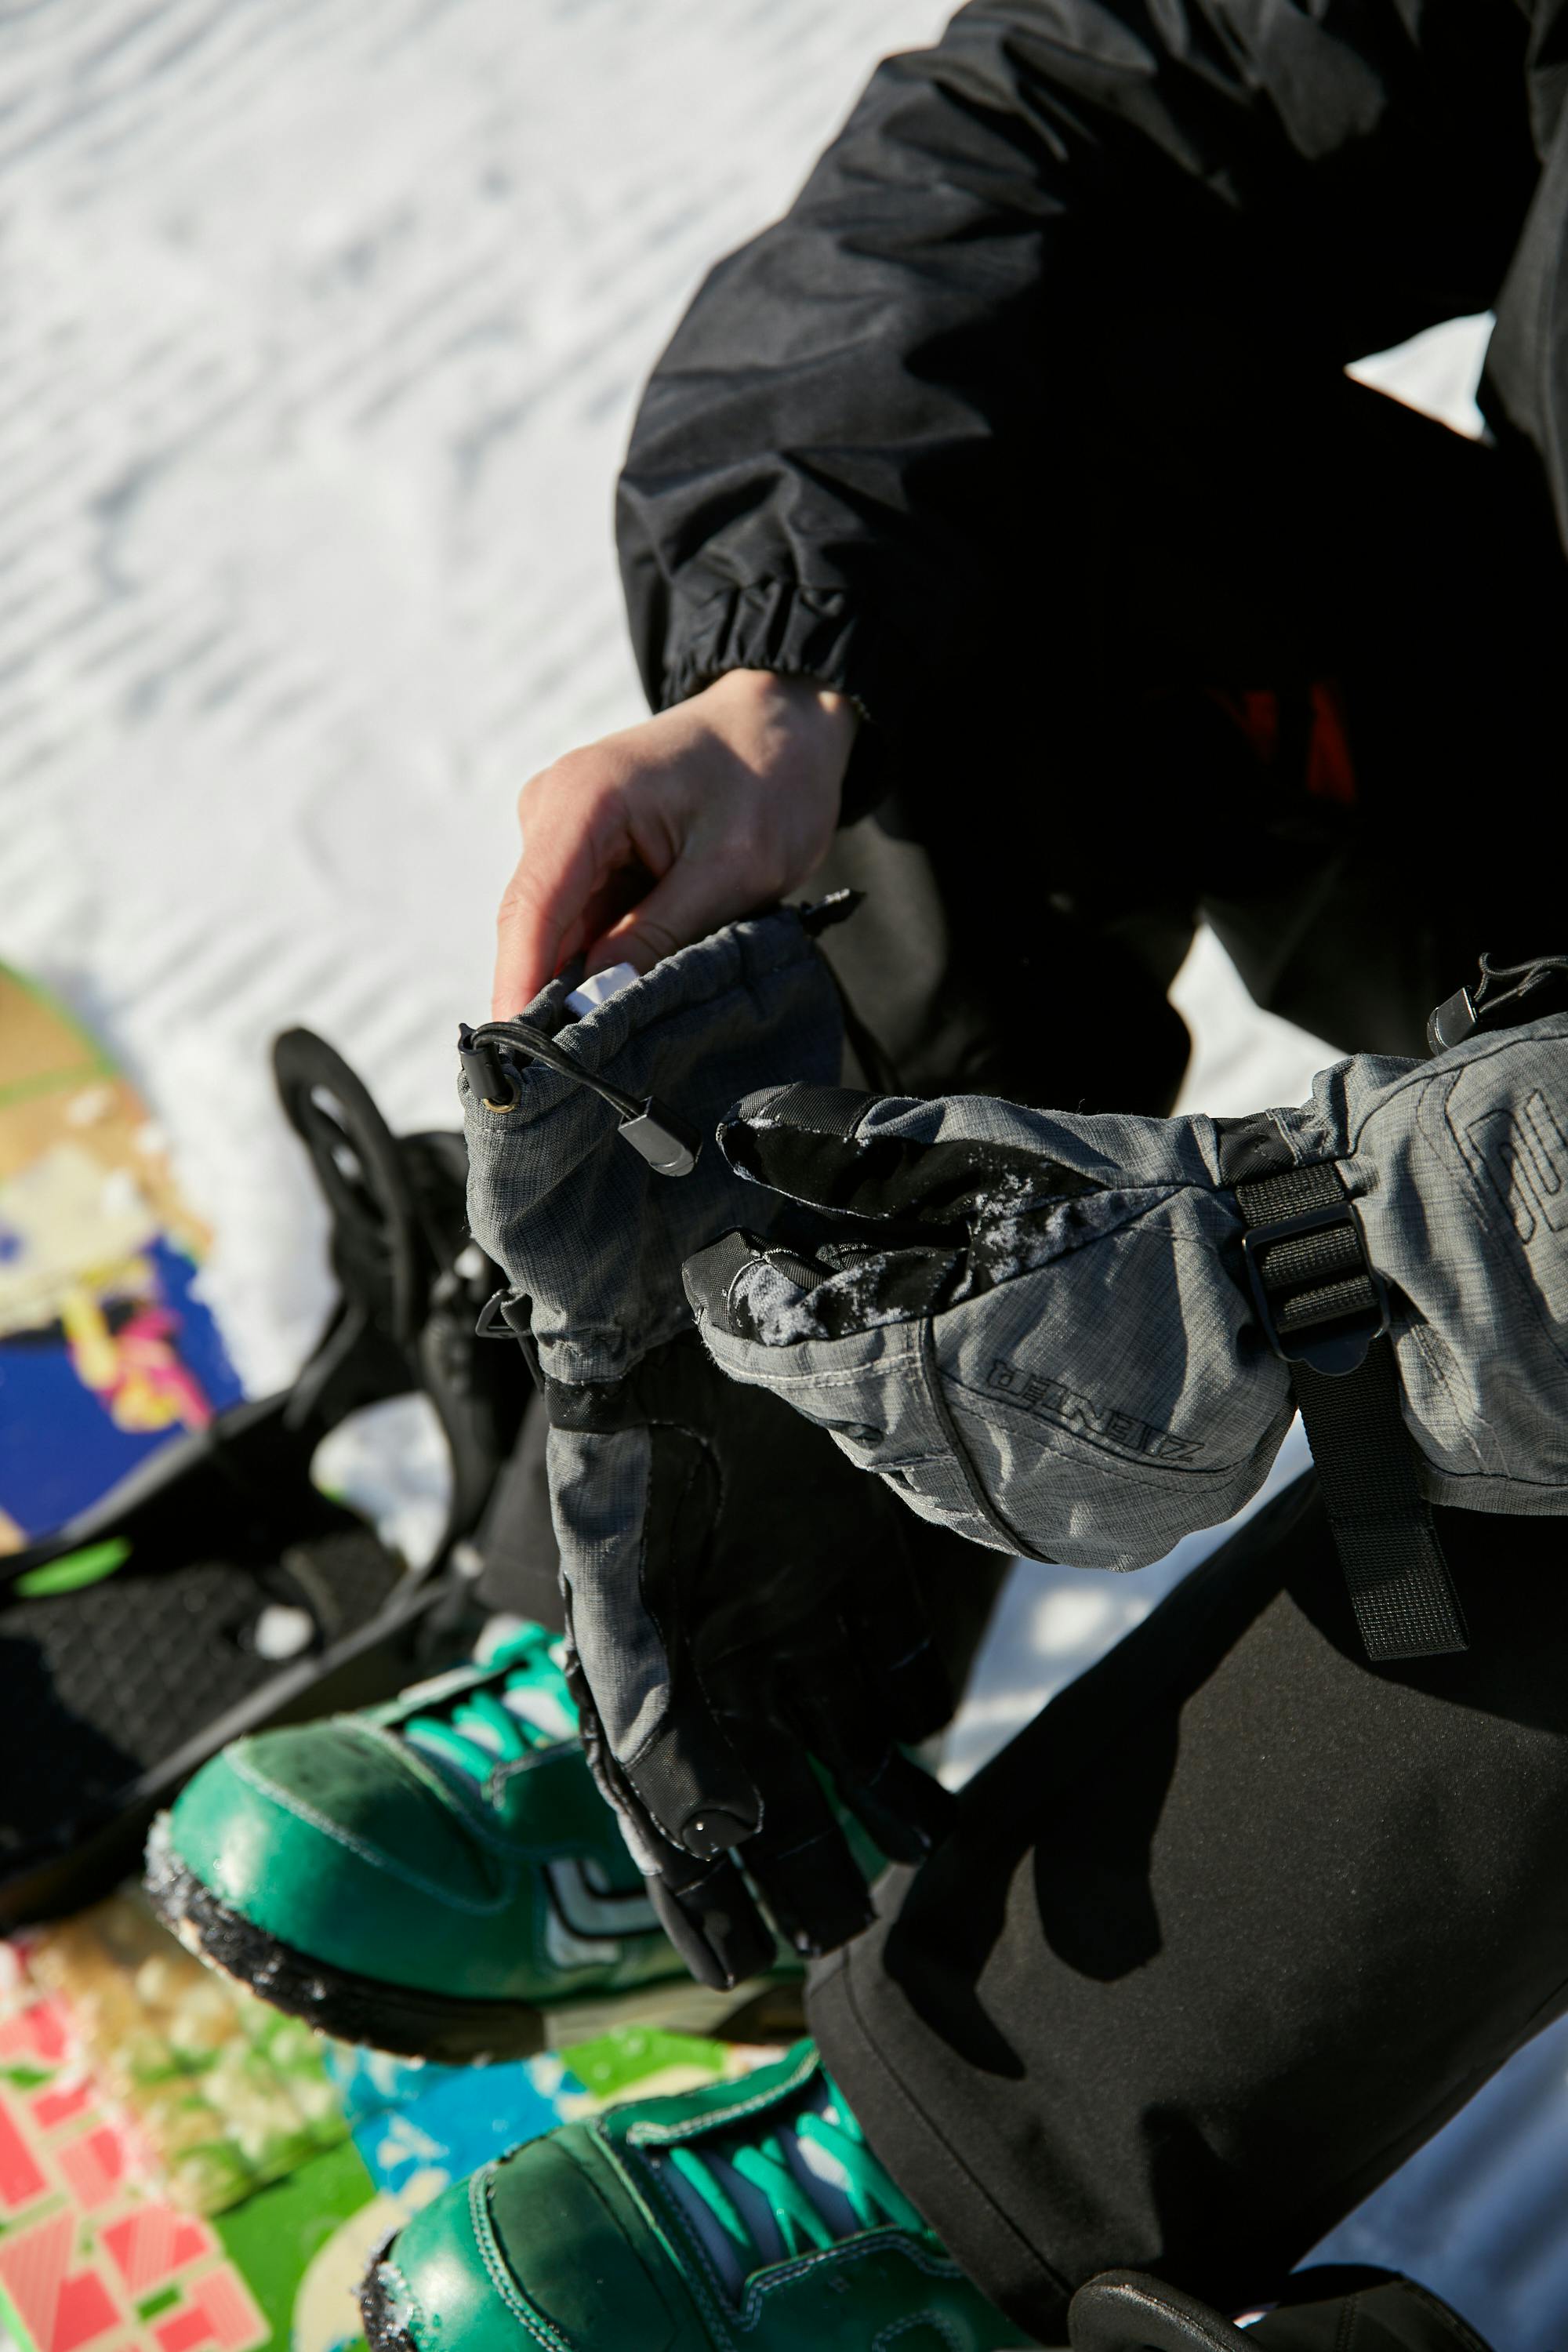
(1042, 1330)
(738, 1600)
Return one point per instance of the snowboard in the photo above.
(106, 1351)
(181, 2169)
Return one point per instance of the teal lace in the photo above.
(477, 1728)
(801, 2222)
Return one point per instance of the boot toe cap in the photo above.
(533, 2249)
(313, 1836)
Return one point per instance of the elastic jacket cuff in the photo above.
(797, 632)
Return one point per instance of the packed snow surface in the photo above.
(324, 321)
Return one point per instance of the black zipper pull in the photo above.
(823, 914)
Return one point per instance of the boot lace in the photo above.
(814, 2180)
(522, 1705)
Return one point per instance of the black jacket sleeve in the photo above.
(871, 420)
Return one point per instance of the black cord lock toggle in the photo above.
(493, 1080)
(1492, 1002)
(670, 1144)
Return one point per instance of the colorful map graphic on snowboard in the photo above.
(104, 1351)
(181, 2169)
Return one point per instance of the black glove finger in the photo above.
(709, 1913)
(646, 1834)
(800, 1860)
(834, 1707)
(705, 1907)
(806, 1141)
(885, 1613)
(691, 1781)
(905, 1809)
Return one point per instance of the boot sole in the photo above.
(446, 2028)
(382, 2332)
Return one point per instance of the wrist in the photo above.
(785, 699)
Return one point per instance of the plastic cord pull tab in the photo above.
(665, 1141)
(1452, 1022)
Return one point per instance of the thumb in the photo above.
(835, 1147)
(802, 1141)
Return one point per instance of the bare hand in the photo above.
(638, 845)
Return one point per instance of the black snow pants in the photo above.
(1240, 1919)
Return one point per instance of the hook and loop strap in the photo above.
(1403, 1597)
(1325, 1314)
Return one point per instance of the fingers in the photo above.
(693, 1784)
(575, 840)
(702, 890)
(905, 1811)
(705, 1907)
(722, 803)
(800, 1860)
(713, 1923)
(888, 1619)
(835, 1709)
(669, 1750)
(625, 1603)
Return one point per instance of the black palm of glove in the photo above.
(739, 1601)
(779, 1584)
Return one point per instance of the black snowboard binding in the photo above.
(1337, 2309)
(146, 1634)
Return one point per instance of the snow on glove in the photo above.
(1041, 1330)
(737, 1599)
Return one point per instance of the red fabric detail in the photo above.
(1329, 773)
(38, 2032)
(1256, 710)
(1331, 770)
(83, 2311)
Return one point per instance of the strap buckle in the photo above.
(1336, 1341)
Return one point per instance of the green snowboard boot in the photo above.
(750, 2213)
(439, 1877)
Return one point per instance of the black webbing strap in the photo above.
(1323, 1311)
(1400, 1589)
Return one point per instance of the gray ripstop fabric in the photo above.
(598, 1491)
(578, 1222)
(595, 1238)
(1106, 1390)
